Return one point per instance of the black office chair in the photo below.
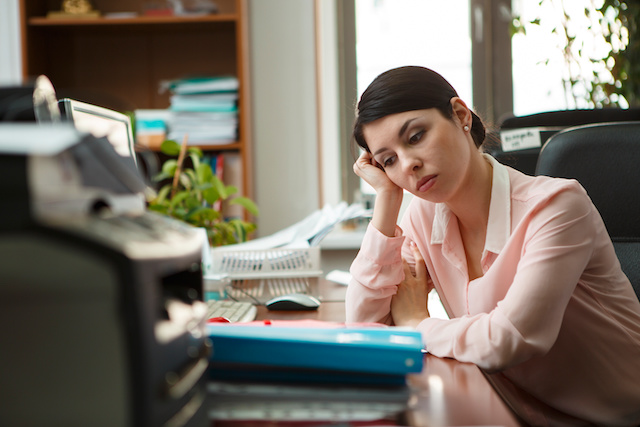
(605, 159)
(551, 122)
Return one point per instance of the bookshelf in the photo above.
(120, 63)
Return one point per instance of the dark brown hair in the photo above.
(407, 89)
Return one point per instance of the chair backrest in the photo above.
(605, 159)
(549, 123)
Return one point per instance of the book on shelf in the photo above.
(216, 162)
(151, 127)
(205, 84)
(232, 175)
(210, 136)
(205, 108)
(211, 102)
(228, 167)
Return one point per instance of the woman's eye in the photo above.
(389, 161)
(416, 137)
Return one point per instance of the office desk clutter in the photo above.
(101, 301)
(105, 322)
(275, 270)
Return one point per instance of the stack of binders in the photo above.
(206, 109)
(371, 355)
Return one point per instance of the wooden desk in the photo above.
(445, 393)
(329, 293)
(451, 393)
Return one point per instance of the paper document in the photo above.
(339, 276)
(309, 231)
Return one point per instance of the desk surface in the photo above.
(445, 393)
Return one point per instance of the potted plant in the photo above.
(195, 195)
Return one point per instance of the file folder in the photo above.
(349, 355)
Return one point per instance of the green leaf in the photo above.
(193, 178)
(231, 190)
(186, 181)
(179, 197)
(170, 147)
(195, 151)
(180, 212)
(203, 214)
(240, 232)
(246, 203)
(169, 167)
(161, 176)
(204, 172)
(162, 194)
(211, 195)
(192, 202)
(159, 208)
(220, 187)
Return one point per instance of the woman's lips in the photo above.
(426, 183)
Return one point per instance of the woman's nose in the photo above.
(411, 163)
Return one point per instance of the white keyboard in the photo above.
(233, 311)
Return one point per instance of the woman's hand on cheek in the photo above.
(409, 304)
(388, 195)
(368, 169)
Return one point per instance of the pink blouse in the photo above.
(553, 312)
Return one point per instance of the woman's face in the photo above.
(422, 151)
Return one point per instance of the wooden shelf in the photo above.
(236, 146)
(122, 62)
(42, 21)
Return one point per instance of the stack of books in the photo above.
(205, 108)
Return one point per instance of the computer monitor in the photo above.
(101, 122)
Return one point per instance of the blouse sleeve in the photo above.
(376, 272)
(559, 240)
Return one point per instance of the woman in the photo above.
(523, 265)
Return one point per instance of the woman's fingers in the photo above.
(363, 162)
(420, 266)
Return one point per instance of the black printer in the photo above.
(100, 300)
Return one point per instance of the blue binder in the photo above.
(368, 355)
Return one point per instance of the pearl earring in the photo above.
(466, 128)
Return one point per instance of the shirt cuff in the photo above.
(380, 247)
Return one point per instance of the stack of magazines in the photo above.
(205, 108)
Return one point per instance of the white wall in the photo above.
(329, 102)
(10, 70)
(283, 90)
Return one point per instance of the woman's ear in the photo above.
(461, 111)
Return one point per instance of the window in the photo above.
(393, 33)
(470, 43)
(561, 54)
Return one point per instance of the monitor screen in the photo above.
(101, 122)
